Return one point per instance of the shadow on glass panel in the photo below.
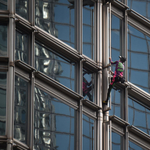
(88, 85)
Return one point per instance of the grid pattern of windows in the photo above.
(54, 74)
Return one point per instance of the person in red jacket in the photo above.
(117, 75)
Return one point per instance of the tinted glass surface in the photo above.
(137, 111)
(22, 8)
(20, 110)
(116, 141)
(88, 28)
(54, 126)
(21, 51)
(3, 81)
(88, 133)
(54, 66)
(133, 146)
(140, 6)
(3, 5)
(88, 85)
(115, 103)
(57, 18)
(3, 40)
(139, 59)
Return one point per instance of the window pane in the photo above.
(142, 7)
(57, 18)
(133, 146)
(115, 103)
(54, 126)
(88, 28)
(3, 40)
(137, 111)
(54, 66)
(138, 58)
(3, 82)
(21, 51)
(116, 141)
(22, 8)
(88, 85)
(20, 112)
(88, 133)
(3, 5)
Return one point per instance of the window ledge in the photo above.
(17, 144)
(139, 94)
(58, 85)
(139, 132)
(119, 4)
(118, 120)
(91, 104)
(24, 65)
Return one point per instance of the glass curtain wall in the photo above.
(139, 116)
(117, 143)
(139, 58)
(88, 28)
(3, 5)
(88, 133)
(3, 40)
(57, 17)
(22, 8)
(54, 66)
(21, 109)
(3, 82)
(88, 85)
(133, 146)
(54, 123)
(140, 6)
(115, 53)
(21, 51)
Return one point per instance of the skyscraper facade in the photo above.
(55, 73)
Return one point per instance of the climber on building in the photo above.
(117, 75)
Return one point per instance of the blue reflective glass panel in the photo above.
(138, 58)
(88, 29)
(21, 51)
(57, 18)
(3, 82)
(54, 66)
(22, 8)
(133, 146)
(139, 116)
(116, 141)
(88, 85)
(54, 125)
(20, 110)
(142, 7)
(3, 40)
(88, 133)
(3, 5)
(115, 103)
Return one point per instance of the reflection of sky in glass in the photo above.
(137, 111)
(116, 141)
(57, 18)
(140, 6)
(57, 118)
(133, 146)
(88, 31)
(88, 133)
(115, 103)
(138, 58)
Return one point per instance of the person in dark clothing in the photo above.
(117, 75)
